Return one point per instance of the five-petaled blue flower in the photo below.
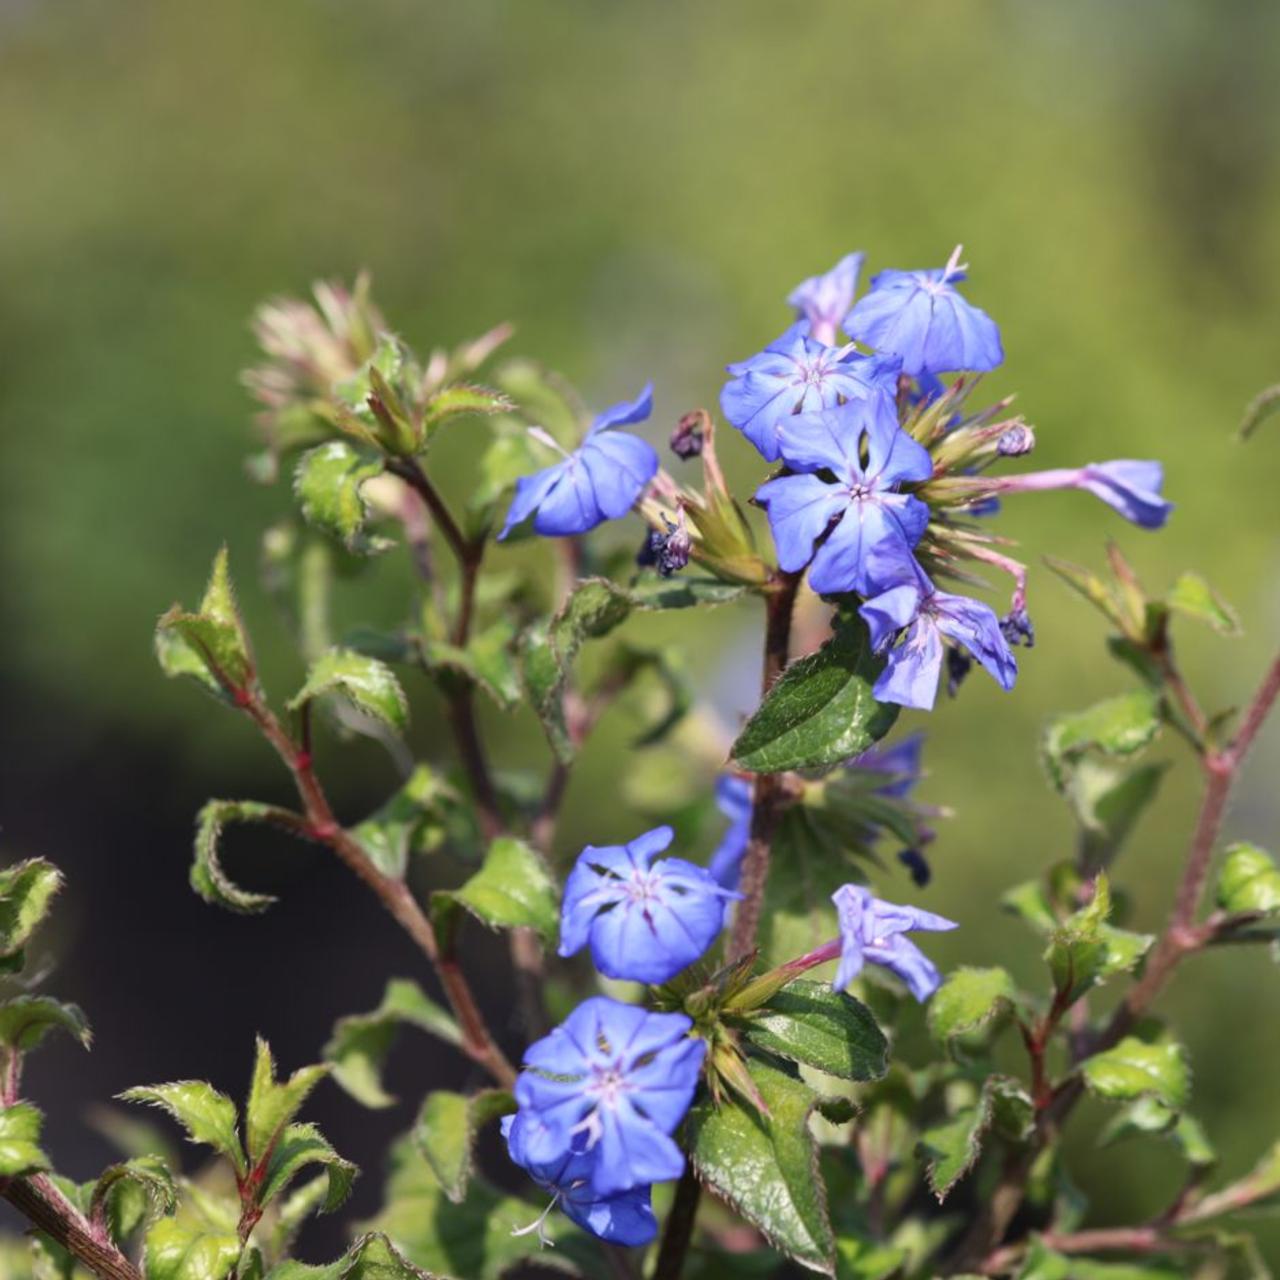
(860, 508)
(920, 317)
(611, 1083)
(598, 481)
(645, 920)
(908, 620)
(824, 301)
(624, 1218)
(733, 799)
(798, 374)
(872, 932)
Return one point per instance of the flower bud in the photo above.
(690, 433)
(1019, 439)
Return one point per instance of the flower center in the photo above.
(644, 887)
(608, 1084)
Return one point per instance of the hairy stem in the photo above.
(678, 1234)
(39, 1200)
(770, 792)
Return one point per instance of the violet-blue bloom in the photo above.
(625, 1218)
(908, 621)
(824, 301)
(1127, 485)
(613, 1082)
(645, 920)
(862, 508)
(872, 932)
(798, 374)
(598, 481)
(733, 799)
(901, 762)
(919, 316)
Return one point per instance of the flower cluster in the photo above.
(882, 472)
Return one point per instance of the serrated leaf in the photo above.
(1134, 1069)
(952, 1148)
(1089, 585)
(684, 591)
(1042, 1263)
(372, 1257)
(361, 1042)
(970, 999)
(26, 891)
(1149, 1116)
(1030, 902)
(1249, 881)
(176, 1251)
(298, 1147)
(446, 1131)
(808, 1022)
(20, 1153)
(459, 399)
(1193, 596)
(271, 1106)
(425, 814)
(207, 876)
(1084, 951)
(1118, 726)
(26, 1020)
(512, 889)
(1107, 801)
(210, 645)
(327, 485)
(821, 710)
(766, 1168)
(473, 1240)
(208, 1116)
(369, 685)
(148, 1174)
(488, 661)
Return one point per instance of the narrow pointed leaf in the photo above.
(1193, 596)
(298, 1147)
(271, 1106)
(208, 1116)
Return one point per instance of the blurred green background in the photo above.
(636, 187)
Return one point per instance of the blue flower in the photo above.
(860, 510)
(919, 316)
(611, 1083)
(908, 621)
(900, 762)
(644, 922)
(824, 301)
(1127, 485)
(625, 1218)
(733, 799)
(598, 481)
(798, 374)
(872, 932)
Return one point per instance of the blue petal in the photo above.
(632, 1151)
(900, 763)
(893, 456)
(910, 676)
(619, 465)
(799, 508)
(826, 438)
(530, 492)
(625, 413)
(1131, 487)
(824, 300)
(901, 956)
(624, 1219)
(733, 799)
(845, 561)
(975, 625)
(570, 507)
(889, 612)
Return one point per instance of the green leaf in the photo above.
(858, 1259)
(460, 399)
(425, 814)
(472, 1240)
(208, 1116)
(683, 591)
(361, 1042)
(271, 1106)
(809, 1023)
(20, 1153)
(371, 686)
(372, 1257)
(767, 1168)
(298, 1147)
(1031, 903)
(1258, 1189)
(327, 485)
(210, 645)
(176, 1251)
(1193, 596)
(1134, 1069)
(1084, 951)
(970, 999)
(446, 1131)
(1042, 1263)
(1089, 585)
(148, 1174)
(952, 1148)
(488, 661)
(207, 876)
(1107, 802)
(821, 710)
(512, 889)
(1149, 1116)
(1249, 881)
(1119, 726)
(26, 891)
(26, 1020)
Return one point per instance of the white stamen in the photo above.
(539, 1224)
(542, 436)
(954, 265)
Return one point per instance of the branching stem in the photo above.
(40, 1201)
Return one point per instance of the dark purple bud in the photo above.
(646, 558)
(959, 664)
(1016, 628)
(916, 863)
(690, 433)
(1016, 441)
(669, 551)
